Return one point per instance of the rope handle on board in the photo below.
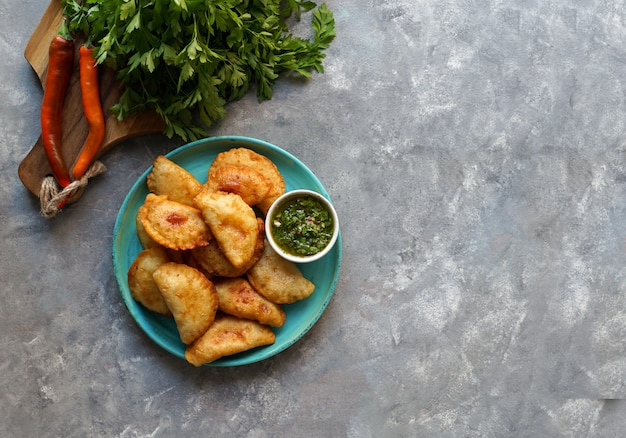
(52, 199)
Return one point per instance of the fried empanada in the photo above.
(172, 224)
(263, 165)
(213, 263)
(277, 279)
(228, 335)
(148, 242)
(232, 223)
(169, 179)
(246, 182)
(190, 296)
(237, 297)
(140, 281)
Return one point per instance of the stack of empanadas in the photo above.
(205, 261)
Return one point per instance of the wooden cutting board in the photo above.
(34, 167)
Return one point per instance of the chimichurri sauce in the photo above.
(302, 226)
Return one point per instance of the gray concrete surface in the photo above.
(475, 151)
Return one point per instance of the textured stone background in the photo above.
(475, 153)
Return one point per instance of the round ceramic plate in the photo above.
(196, 157)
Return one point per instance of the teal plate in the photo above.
(196, 157)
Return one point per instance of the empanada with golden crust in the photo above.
(172, 224)
(190, 296)
(277, 279)
(232, 222)
(169, 179)
(148, 242)
(237, 297)
(140, 281)
(213, 263)
(260, 163)
(226, 336)
(245, 181)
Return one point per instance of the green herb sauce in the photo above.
(302, 226)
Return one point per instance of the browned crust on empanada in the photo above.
(237, 297)
(190, 296)
(172, 224)
(228, 335)
(277, 279)
(169, 179)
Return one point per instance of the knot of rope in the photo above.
(52, 199)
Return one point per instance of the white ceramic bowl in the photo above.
(296, 194)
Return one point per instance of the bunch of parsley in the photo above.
(185, 59)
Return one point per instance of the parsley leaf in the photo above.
(186, 59)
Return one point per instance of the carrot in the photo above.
(92, 109)
(60, 65)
